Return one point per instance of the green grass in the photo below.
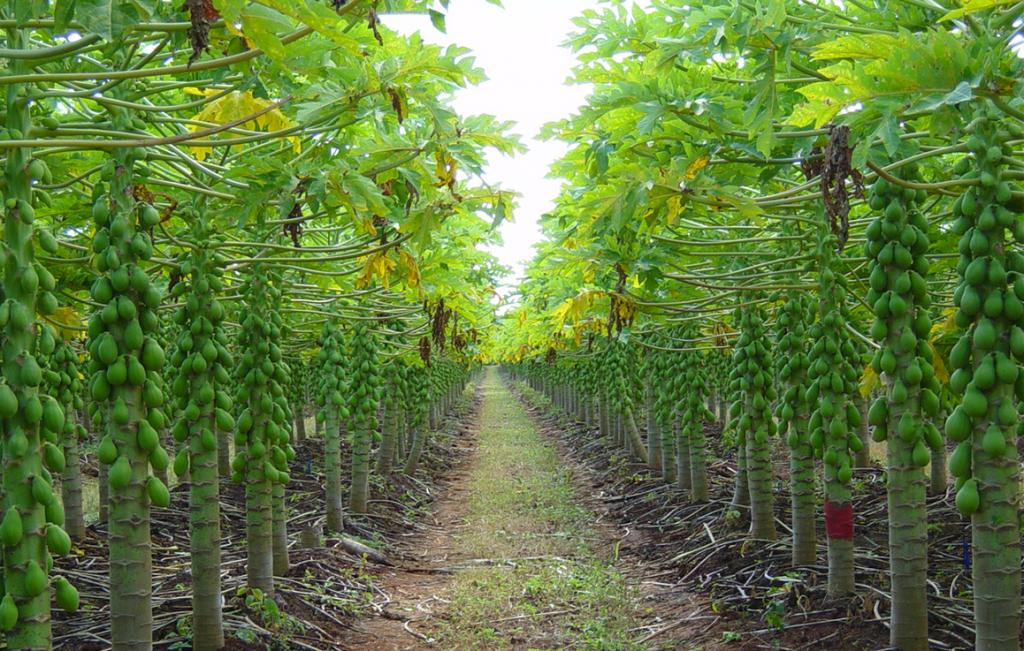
(543, 587)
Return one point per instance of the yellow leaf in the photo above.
(945, 326)
(67, 316)
(368, 227)
(237, 105)
(675, 207)
(868, 381)
(412, 270)
(377, 266)
(941, 372)
(445, 168)
(696, 166)
(589, 273)
(971, 6)
(574, 309)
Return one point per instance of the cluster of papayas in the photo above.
(833, 374)
(332, 364)
(792, 365)
(61, 378)
(202, 397)
(262, 436)
(619, 377)
(688, 382)
(367, 383)
(126, 359)
(660, 368)
(898, 272)
(417, 395)
(751, 381)
(990, 307)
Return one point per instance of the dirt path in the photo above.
(424, 573)
(518, 557)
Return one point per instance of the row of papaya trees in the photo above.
(219, 219)
(810, 212)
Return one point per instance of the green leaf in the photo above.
(107, 18)
(962, 93)
(63, 13)
(437, 18)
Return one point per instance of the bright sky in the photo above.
(519, 48)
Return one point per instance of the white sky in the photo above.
(519, 48)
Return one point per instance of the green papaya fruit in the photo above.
(8, 402)
(120, 473)
(55, 513)
(993, 441)
(958, 424)
(967, 498)
(208, 440)
(11, 530)
(152, 355)
(148, 439)
(960, 460)
(53, 416)
(65, 595)
(181, 463)
(974, 403)
(920, 455)
(41, 490)
(35, 579)
(8, 613)
(158, 493)
(107, 450)
(58, 541)
(158, 459)
(53, 458)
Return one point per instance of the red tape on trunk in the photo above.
(839, 520)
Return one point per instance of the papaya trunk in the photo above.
(862, 458)
(635, 441)
(412, 462)
(224, 454)
(359, 494)
(937, 480)
(759, 482)
(653, 433)
(300, 422)
(280, 531)
(802, 497)
(332, 469)
(71, 488)
(908, 544)
(698, 459)
(683, 477)
(604, 420)
(259, 570)
(388, 441)
(162, 473)
(741, 490)
(103, 514)
(204, 518)
(669, 451)
(131, 617)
